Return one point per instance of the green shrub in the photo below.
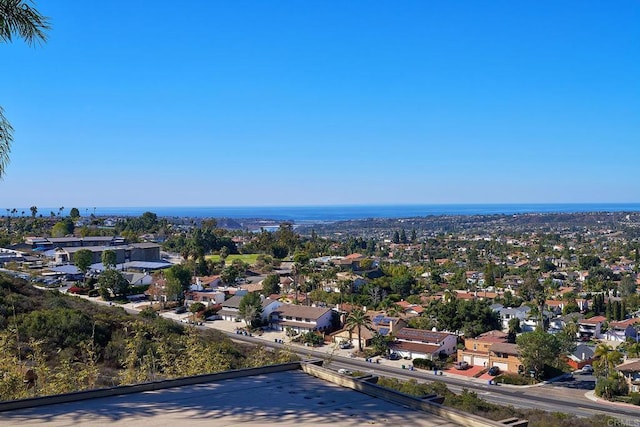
(423, 363)
(515, 379)
(611, 387)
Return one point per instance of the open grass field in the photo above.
(248, 258)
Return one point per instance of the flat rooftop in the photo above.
(290, 398)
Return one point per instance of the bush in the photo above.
(634, 398)
(148, 313)
(423, 363)
(515, 379)
(138, 290)
(611, 387)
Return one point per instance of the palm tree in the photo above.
(633, 350)
(571, 328)
(607, 359)
(358, 319)
(17, 18)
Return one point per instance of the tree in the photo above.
(627, 286)
(271, 284)
(514, 329)
(178, 279)
(83, 260)
(358, 319)
(380, 343)
(34, 211)
(230, 274)
(109, 259)
(112, 281)
(62, 228)
(196, 307)
(588, 261)
(538, 349)
(74, 213)
(17, 18)
(250, 308)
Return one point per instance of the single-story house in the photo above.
(582, 355)
(630, 370)
(420, 343)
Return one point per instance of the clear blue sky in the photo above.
(245, 103)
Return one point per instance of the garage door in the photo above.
(480, 361)
(468, 359)
(504, 367)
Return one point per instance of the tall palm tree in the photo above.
(17, 18)
(571, 328)
(358, 319)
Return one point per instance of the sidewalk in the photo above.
(591, 395)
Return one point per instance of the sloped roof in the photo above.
(506, 348)
(302, 311)
(233, 302)
(423, 335)
(629, 366)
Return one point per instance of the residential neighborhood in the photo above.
(470, 303)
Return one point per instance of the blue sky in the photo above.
(247, 103)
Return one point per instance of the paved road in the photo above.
(560, 397)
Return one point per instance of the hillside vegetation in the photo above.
(54, 343)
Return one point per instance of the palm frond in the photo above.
(6, 138)
(20, 18)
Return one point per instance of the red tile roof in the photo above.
(593, 320)
(624, 323)
(414, 347)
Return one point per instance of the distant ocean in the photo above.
(303, 214)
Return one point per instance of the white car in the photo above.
(587, 369)
(344, 371)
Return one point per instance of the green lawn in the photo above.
(248, 258)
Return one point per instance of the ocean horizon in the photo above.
(328, 213)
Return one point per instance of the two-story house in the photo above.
(620, 331)
(521, 313)
(505, 356)
(231, 309)
(476, 350)
(418, 343)
(301, 318)
(591, 327)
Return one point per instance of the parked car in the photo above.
(181, 309)
(345, 345)
(394, 356)
(461, 366)
(587, 369)
(493, 371)
(345, 372)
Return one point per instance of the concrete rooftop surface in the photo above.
(290, 398)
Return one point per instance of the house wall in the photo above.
(449, 345)
(322, 323)
(266, 311)
(511, 362)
